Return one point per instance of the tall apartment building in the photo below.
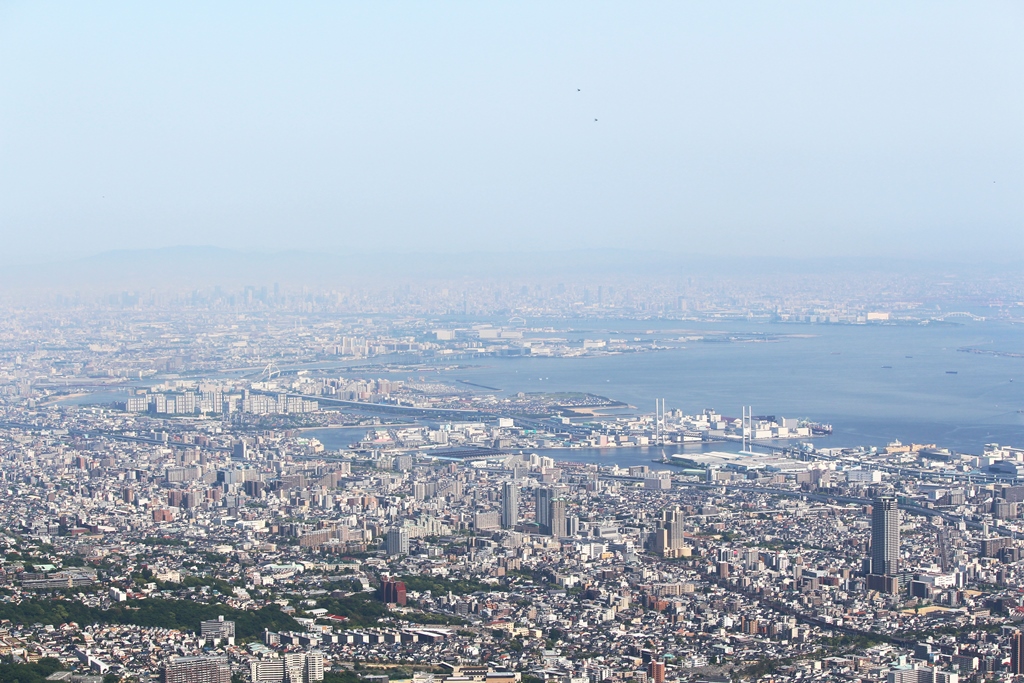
(392, 592)
(920, 674)
(486, 521)
(397, 542)
(542, 499)
(216, 630)
(885, 536)
(669, 539)
(293, 667)
(509, 505)
(197, 670)
(1017, 653)
(558, 519)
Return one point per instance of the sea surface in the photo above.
(873, 383)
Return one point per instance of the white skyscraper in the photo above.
(509, 505)
(397, 542)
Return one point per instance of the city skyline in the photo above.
(503, 342)
(869, 130)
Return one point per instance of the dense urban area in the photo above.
(511, 342)
(167, 513)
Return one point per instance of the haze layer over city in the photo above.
(511, 343)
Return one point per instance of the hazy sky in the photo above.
(766, 127)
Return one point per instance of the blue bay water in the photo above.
(826, 373)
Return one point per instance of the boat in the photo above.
(819, 428)
(950, 372)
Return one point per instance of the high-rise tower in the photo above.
(1017, 653)
(397, 542)
(885, 536)
(509, 505)
(672, 519)
(542, 499)
(558, 521)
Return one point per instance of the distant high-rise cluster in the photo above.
(552, 512)
(669, 539)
